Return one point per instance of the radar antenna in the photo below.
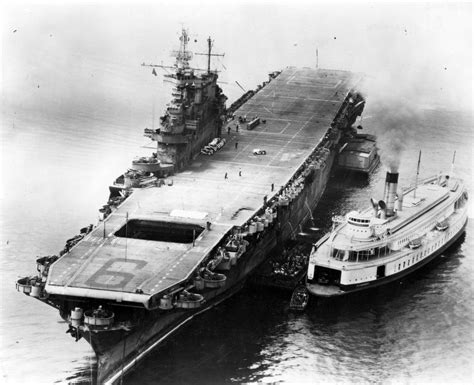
(183, 56)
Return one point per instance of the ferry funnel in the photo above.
(391, 184)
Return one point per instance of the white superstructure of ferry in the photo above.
(391, 239)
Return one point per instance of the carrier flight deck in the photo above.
(207, 199)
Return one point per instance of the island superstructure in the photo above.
(179, 238)
(392, 238)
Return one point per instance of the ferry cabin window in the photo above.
(369, 254)
(339, 254)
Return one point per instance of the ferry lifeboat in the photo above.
(414, 243)
(442, 226)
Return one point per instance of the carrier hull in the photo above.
(158, 325)
(138, 276)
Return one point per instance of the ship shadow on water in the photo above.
(351, 179)
(217, 347)
(86, 373)
(340, 189)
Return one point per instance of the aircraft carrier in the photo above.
(181, 233)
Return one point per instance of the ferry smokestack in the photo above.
(391, 184)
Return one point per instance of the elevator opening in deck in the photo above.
(160, 231)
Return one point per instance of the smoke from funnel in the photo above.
(396, 119)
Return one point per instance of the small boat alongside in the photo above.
(358, 154)
(299, 298)
(389, 240)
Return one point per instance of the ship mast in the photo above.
(452, 165)
(183, 56)
(417, 173)
(209, 54)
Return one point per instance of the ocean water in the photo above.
(73, 113)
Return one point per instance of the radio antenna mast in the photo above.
(417, 173)
(452, 164)
(209, 54)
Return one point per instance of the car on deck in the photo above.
(259, 151)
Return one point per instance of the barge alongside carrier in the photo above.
(183, 230)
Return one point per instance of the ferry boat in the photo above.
(389, 240)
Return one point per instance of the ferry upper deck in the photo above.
(133, 254)
(419, 212)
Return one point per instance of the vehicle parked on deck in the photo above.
(259, 151)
